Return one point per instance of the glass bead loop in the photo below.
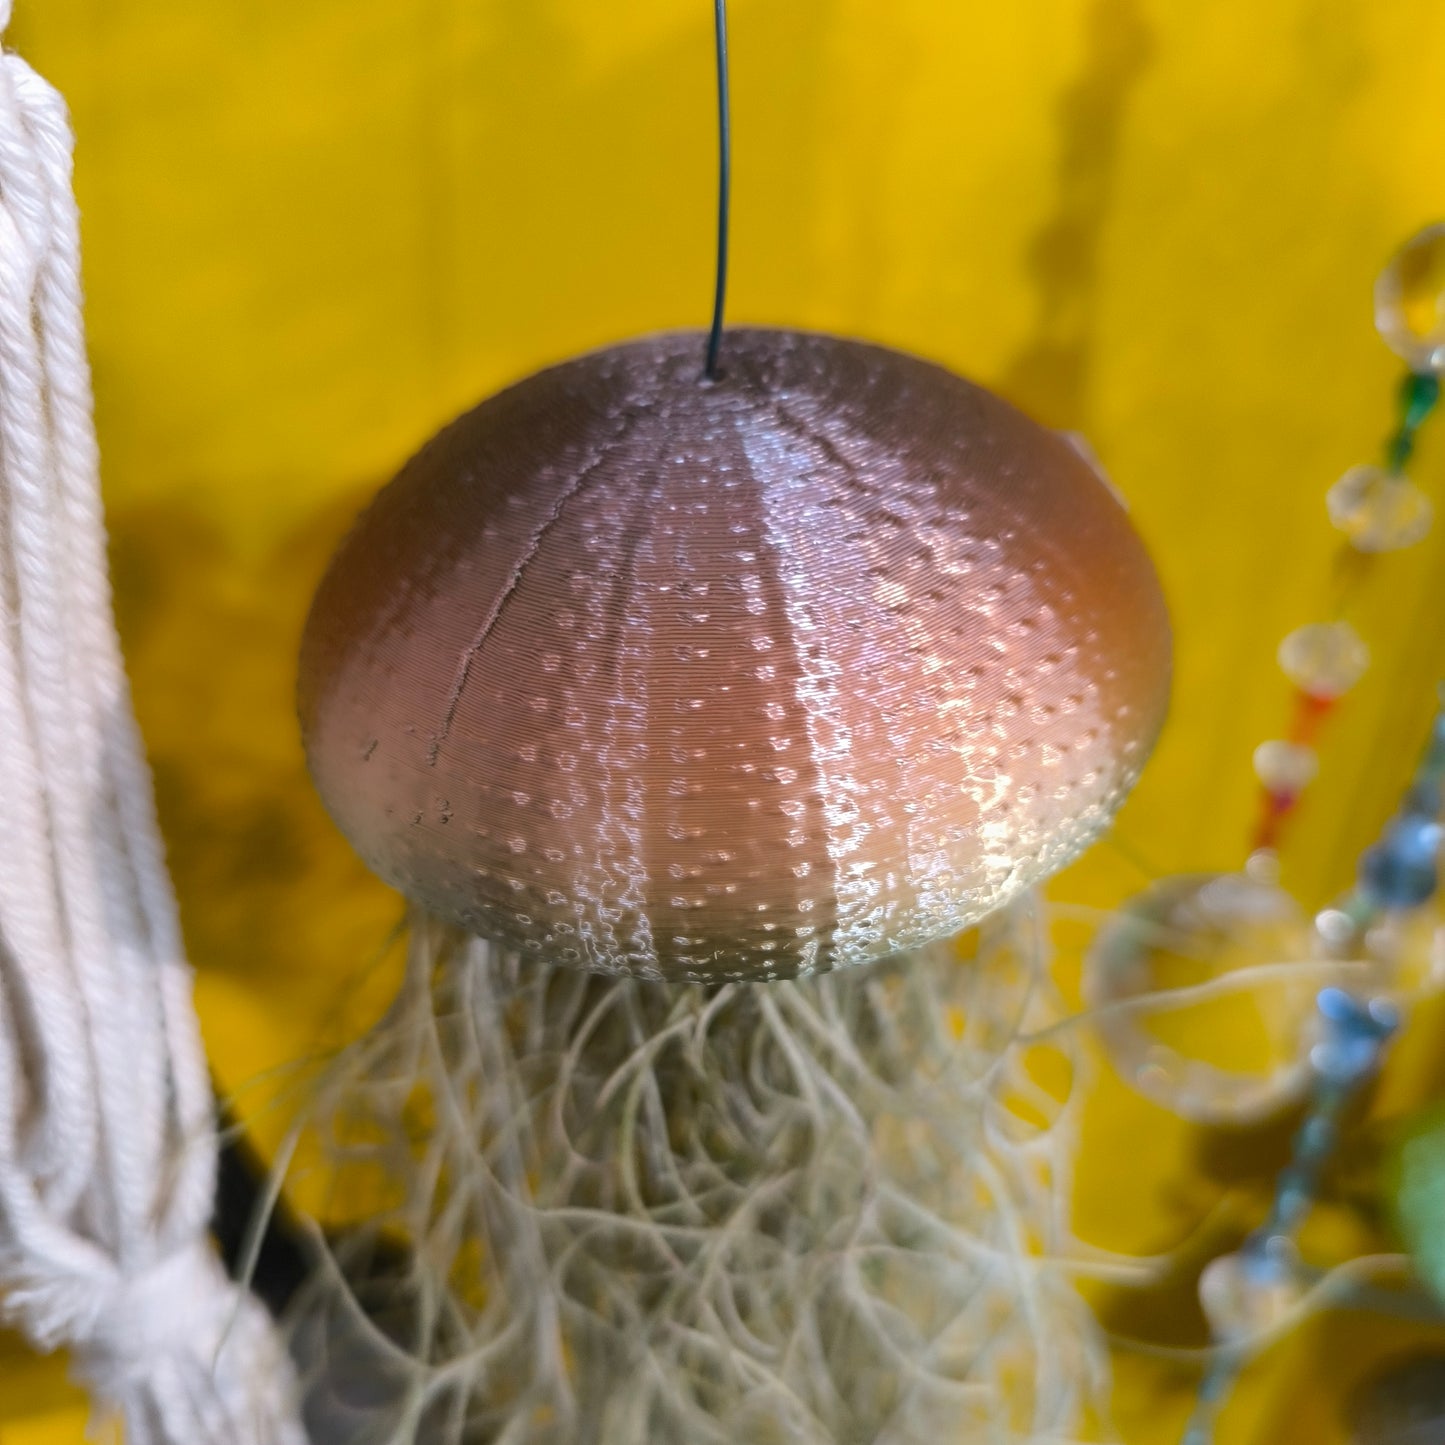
(1193, 929)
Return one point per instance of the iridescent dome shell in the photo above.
(816, 663)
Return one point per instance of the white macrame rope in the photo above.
(107, 1143)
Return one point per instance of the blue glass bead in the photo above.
(1293, 1199)
(1343, 1061)
(1425, 797)
(1343, 1011)
(1266, 1259)
(1384, 1016)
(1435, 747)
(1355, 1034)
(1401, 870)
(1316, 1139)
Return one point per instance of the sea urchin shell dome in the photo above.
(806, 666)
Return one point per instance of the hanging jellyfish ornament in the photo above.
(714, 683)
(698, 692)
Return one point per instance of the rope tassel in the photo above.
(107, 1138)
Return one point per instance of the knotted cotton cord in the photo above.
(107, 1142)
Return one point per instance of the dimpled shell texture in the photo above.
(814, 664)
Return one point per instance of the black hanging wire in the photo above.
(724, 186)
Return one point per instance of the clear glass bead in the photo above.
(1262, 868)
(1378, 511)
(1324, 659)
(1410, 301)
(1248, 1293)
(1285, 767)
(1341, 933)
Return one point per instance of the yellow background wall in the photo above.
(316, 229)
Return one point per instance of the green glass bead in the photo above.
(1419, 392)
